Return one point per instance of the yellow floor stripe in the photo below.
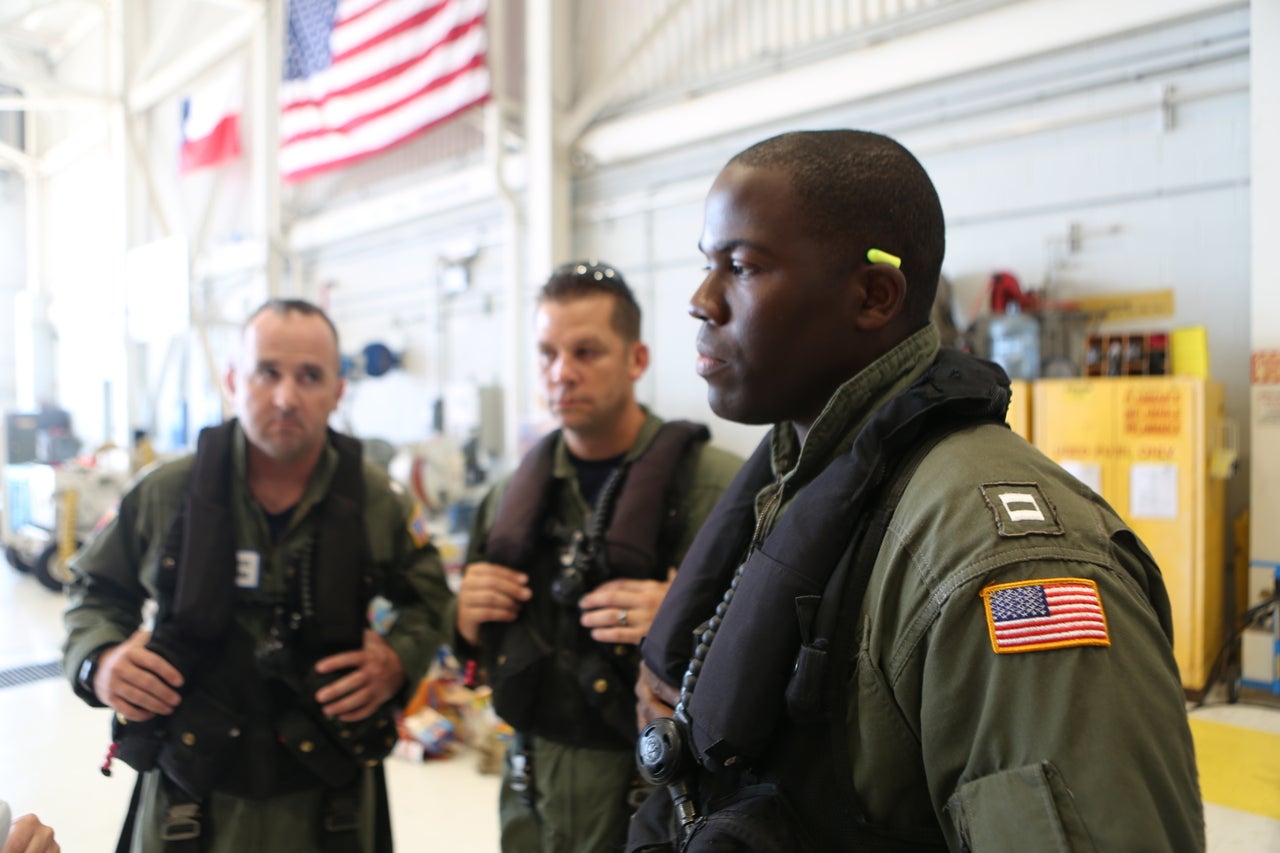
(1239, 767)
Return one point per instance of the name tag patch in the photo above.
(1021, 509)
(1031, 616)
(248, 569)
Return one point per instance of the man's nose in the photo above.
(561, 369)
(705, 302)
(285, 395)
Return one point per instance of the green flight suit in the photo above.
(1072, 748)
(116, 573)
(581, 795)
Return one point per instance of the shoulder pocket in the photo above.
(983, 812)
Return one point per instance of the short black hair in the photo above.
(578, 279)
(867, 191)
(295, 306)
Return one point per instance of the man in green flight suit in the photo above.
(569, 559)
(918, 633)
(258, 704)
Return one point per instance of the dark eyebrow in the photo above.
(730, 245)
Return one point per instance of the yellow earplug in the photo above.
(879, 256)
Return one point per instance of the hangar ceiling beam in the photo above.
(587, 107)
(202, 55)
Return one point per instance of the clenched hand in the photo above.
(489, 593)
(376, 675)
(621, 610)
(135, 682)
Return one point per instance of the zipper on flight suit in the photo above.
(769, 509)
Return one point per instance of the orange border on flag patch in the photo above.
(1004, 648)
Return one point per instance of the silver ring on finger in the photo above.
(622, 618)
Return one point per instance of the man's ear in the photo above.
(639, 360)
(884, 293)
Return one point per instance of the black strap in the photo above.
(340, 820)
(130, 818)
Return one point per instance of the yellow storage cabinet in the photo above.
(1145, 444)
(1019, 416)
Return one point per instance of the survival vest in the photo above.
(548, 676)
(765, 716)
(246, 696)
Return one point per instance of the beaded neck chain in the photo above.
(690, 679)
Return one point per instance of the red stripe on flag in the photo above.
(378, 38)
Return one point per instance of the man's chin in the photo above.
(731, 408)
(285, 449)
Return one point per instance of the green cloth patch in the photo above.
(1021, 509)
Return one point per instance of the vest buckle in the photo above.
(181, 823)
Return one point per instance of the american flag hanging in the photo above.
(1045, 614)
(363, 75)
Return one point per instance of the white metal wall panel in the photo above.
(1019, 155)
(650, 51)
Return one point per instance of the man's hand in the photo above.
(489, 593)
(654, 698)
(376, 676)
(621, 610)
(28, 835)
(135, 682)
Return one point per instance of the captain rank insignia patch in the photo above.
(1059, 613)
(1021, 509)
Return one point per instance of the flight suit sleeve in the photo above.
(107, 592)
(412, 579)
(1076, 748)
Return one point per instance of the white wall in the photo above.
(13, 274)
(1019, 155)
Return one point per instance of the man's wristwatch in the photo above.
(89, 669)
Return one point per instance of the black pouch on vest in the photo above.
(312, 747)
(369, 740)
(612, 697)
(515, 673)
(199, 743)
(756, 819)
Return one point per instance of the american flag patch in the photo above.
(418, 526)
(1030, 616)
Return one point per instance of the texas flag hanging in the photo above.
(363, 75)
(211, 121)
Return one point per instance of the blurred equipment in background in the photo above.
(43, 436)
(1127, 354)
(376, 359)
(449, 471)
(53, 500)
(434, 472)
(1027, 334)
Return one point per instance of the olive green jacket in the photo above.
(115, 576)
(584, 809)
(1074, 748)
